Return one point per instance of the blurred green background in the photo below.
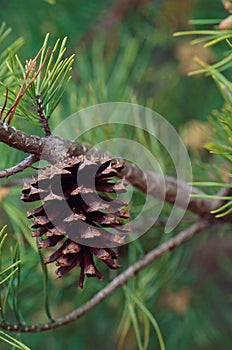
(125, 51)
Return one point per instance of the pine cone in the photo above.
(80, 211)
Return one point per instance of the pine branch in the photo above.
(120, 280)
(139, 179)
(50, 148)
(27, 162)
(53, 148)
(19, 140)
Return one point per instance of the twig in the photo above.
(43, 119)
(27, 162)
(23, 89)
(120, 280)
(4, 104)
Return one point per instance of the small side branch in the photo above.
(132, 271)
(4, 104)
(27, 162)
(43, 119)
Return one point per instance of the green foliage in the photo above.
(40, 85)
(223, 210)
(133, 301)
(9, 279)
(7, 52)
(221, 121)
(51, 2)
(112, 77)
(16, 344)
(223, 133)
(211, 37)
(9, 274)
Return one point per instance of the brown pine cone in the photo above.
(80, 211)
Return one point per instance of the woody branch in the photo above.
(53, 148)
(117, 282)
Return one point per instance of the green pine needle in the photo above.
(45, 287)
(131, 297)
(12, 341)
(42, 81)
(204, 21)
